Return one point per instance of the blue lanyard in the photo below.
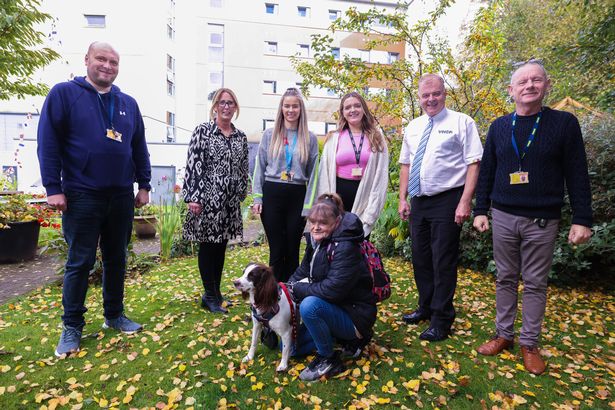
(109, 114)
(529, 140)
(289, 150)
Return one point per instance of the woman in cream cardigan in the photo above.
(355, 162)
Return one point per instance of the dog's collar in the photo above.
(266, 316)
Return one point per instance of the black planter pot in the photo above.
(19, 242)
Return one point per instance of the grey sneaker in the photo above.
(322, 366)
(69, 341)
(123, 324)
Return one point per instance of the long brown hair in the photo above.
(368, 123)
(279, 129)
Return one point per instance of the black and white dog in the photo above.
(271, 306)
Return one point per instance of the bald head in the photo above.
(103, 64)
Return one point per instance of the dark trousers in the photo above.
(347, 190)
(90, 219)
(435, 253)
(211, 264)
(283, 223)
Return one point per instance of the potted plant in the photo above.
(19, 229)
(145, 221)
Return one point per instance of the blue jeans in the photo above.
(322, 322)
(90, 219)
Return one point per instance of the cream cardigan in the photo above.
(372, 191)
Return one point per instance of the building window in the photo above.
(268, 124)
(95, 20)
(303, 11)
(331, 93)
(271, 47)
(271, 8)
(364, 55)
(170, 88)
(336, 53)
(170, 126)
(334, 14)
(393, 57)
(269, 87)
(216, 43)
(170, 63)
(330, 126)
(171, 28)
(303, 50)
(215, 3)
(216, 54)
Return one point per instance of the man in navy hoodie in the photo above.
(91, 150)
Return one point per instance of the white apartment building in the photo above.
(175, 53)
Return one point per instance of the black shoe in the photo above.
(322, 366)
(415, 317)
(269, 338)
(211, 303)
(222, 299)
(434, 334)
(351, 349)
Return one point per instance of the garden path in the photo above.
(19, 278)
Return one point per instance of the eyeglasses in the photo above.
(531, 60)
(223, 104)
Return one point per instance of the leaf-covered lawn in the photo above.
(187, 357)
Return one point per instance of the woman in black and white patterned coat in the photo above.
(215, 183)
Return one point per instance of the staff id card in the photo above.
(519, 177)
(114, 135)
(357, 172)
(287, 176)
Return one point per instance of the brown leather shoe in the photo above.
(532, 360)
(495, 346)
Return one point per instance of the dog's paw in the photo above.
(281, 368)
(246, 359)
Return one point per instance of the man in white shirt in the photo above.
(439, 160)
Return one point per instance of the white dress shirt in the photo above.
(453, 145)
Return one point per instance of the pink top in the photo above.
(345, 158)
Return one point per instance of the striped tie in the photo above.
(414, 184)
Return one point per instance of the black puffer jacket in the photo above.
(345, 280)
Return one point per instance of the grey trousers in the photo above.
(523, 249)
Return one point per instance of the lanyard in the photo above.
(290, 150)
(357, 153)
(109, 114)
(529, 140)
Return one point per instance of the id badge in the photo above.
(357, 172)
(519, 178)
(287, 176)
(114, 135)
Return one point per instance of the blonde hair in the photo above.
(280, 131)
(217, 96)
(368, 123)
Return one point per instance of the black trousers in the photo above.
(211, 264)
(283, 223)
(435, 253)
(347, 190)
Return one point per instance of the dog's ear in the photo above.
(266, 289)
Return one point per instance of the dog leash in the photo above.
(293, 315)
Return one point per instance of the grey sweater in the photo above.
(270, 169)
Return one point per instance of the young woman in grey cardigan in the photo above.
(283, 183)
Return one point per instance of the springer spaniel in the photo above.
(271, 306)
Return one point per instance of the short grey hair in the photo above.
(431, 77)
(532, 61)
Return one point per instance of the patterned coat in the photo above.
(217, 178)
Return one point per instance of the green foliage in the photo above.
(15, 208)
(20, 52)
(168, 226)
(147, 210)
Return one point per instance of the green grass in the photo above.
(191, 358)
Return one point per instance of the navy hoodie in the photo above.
(73, 150)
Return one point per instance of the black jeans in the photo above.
(283, 223)
(88, 218)
(435, 253)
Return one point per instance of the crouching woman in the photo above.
(334, 289)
